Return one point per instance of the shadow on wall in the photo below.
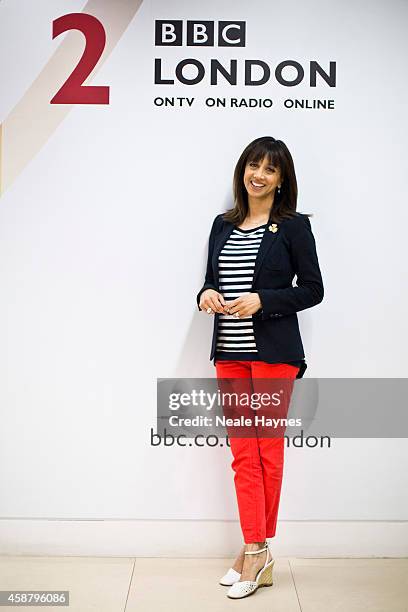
(194, 358)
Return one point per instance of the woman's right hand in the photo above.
(212, 299)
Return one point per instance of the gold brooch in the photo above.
(273, 228)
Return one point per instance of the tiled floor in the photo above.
(191, 585)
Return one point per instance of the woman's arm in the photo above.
(209, 277)
(309, 290)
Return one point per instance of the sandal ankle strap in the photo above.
(255, 552)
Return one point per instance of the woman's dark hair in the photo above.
(277, 153)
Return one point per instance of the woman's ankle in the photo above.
(239, 561)
(255, 545)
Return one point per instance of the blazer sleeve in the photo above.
(309, 290)
(209, 276)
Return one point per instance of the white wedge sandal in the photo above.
(263, 577)
(230, 578)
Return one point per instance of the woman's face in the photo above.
(261, 178)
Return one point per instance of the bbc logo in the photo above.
(169, 33)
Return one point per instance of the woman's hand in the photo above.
(245, 305)
(212, 299)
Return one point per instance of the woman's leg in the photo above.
(271, 449)
(249, 477)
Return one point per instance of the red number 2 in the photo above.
(72, 91)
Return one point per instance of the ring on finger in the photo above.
(236, 315)
(209, 310)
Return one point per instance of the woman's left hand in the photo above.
(245, 305)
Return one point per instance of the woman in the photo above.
(255, 250)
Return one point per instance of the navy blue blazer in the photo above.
(290, 251)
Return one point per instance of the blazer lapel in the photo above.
(269, 240)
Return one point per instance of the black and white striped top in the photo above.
(236, 264)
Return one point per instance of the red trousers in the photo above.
(257, 462)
